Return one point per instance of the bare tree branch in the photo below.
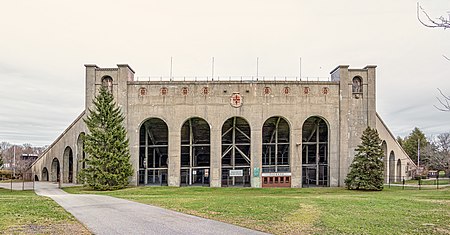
(444, 101)
(440, 22)
(446, 57)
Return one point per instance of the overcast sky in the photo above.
(44, 45)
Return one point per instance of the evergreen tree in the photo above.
(410, 143)
(366, 170)
(106, 146)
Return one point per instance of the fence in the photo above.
(22, 181)
(420, 183)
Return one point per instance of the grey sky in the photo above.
(44, 45)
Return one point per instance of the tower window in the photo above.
(356, 85)
(107, 82)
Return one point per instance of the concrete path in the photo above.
(109, 215)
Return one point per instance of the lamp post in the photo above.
(14, 161)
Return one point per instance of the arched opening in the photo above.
(44, 174)
(391, 167)
(275, 153)
(195, 152)
(357, 85)
(107, 82)
(236, 152)
(153, 152)
(385, 160)
(399, 170)
(68, 164)
(315, 152)
(36, 178)
(56, 172)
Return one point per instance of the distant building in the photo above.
(256, 132)
(29, 157)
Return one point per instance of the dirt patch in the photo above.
(60, 228)
(301, 221)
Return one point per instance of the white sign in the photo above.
(194, 172)
(277, 174)
(236, 172)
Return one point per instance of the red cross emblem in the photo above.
(236, 100)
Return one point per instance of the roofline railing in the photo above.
(230, 78)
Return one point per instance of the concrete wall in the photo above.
(68, 139)
(175, 108)
(392, 172)
(346, 113)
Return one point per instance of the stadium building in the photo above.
(225, 132)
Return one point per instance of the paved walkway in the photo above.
(109, 215)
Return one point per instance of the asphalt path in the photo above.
(109, 215)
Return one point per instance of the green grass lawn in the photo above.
(23, 212)
(305, 211)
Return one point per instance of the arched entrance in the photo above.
(153, 149)
(36, 178)
(195, 152)
(68, 165)
(276, 170)
(385, 161)
(399, 170)
(236, 152)
(44, 174)
(56, 171)
(315, 152)
(391, 167)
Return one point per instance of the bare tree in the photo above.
(441, 22)
(444, 100)
(437, 154)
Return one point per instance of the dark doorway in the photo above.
(195, 152)
(153, 152)
(315, 171)
(236, 153)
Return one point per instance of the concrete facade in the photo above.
(325, 120)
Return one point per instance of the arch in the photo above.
(195, 152)
(153, 152)
(392, 167)
(399, 170)
(45, 174)
(55, 170)
(107, 82)
(315, 152)
(81, 154)
(68, 165)
(357, 85)
(36, 178)
(235, 158)
(385, 160)
(276, 145)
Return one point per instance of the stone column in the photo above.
(295, 161)
(174, 157)
(341, 167)
(215, 156)
(256, 158)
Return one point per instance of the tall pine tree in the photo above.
(366, 170)
(106, 146)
